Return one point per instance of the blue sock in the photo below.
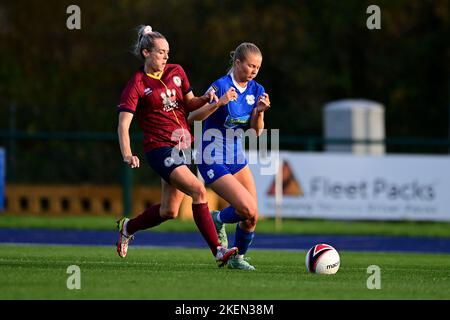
(242, 239)
(229, 215)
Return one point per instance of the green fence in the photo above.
(80, 157)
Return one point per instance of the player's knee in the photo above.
(254, 220)
(249, 225)
(198, 193)
(248, 211)
(168, 213)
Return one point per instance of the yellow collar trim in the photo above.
(155, 77)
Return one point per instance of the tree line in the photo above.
(56, 79)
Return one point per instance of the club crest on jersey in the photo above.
(169, 100)
(177, 81)
(250, 99)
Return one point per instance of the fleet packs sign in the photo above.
(346, 186)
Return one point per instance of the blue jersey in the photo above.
(236, 114)
(230, 121)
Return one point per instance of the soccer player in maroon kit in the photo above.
(159, 95)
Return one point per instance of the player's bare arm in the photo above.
(193, 103)
(257, 119)
(125, 119)
(205, 111)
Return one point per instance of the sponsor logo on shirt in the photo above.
(169, 100)
(233, 122)
(147, 91)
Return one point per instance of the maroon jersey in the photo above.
(158, 104)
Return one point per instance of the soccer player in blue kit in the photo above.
(225, 168)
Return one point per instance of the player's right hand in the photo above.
(132, 161)
(230, 95)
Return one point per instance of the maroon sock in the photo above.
(147, 219)
(205, 224)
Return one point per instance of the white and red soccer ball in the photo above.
(322, 259)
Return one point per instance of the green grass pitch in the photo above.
(40, 272)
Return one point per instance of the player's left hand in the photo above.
(211, 96)
(263, 103)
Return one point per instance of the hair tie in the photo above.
(147, 30)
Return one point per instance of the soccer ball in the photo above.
(322, 259)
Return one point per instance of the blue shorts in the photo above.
(164, 160)
(212, 172)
